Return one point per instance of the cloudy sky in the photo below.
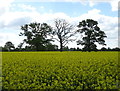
(14, 13)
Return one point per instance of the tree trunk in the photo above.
(89, 48)
(36, 47)
(61, 45)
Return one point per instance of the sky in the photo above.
(15, 13)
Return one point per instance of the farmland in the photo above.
(60, 70)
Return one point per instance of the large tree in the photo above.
(9, 46)
(36, 35)
(63, 31)
(91, 34)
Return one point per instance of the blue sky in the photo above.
(13, 14)
(70, 8)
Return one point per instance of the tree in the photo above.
(91, 34)
(63, 31)
(103, 49)
(116, 49)
(19, 47)
(1, 48)
(9, 46)
(51, 47)
(66, 48)
(109, 49)
(36, 35)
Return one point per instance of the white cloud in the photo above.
(25, 7)
(91, 4)
(114, 5)
(15, 19)
(14, 38)
(4, 6)
(42, 7)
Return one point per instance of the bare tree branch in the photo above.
(63, 30)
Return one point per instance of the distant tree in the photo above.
(109, 49)
(29, 48)
(63, 31)
(51, 47)
(66, 48)
(103, 49)
(9, 46)
(36, 35)
(91, 35)
(116, 49)
(19, 47)
(73, 49)
(1, 48)
(78, 49)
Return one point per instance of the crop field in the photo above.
(60, 70)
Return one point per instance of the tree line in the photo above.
(39, 37)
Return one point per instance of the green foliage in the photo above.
(92, 34)
(9, 46)
(36, 35)
(55, 70)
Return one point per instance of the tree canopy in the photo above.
(9, 45)
(91, 34)
(36, 35)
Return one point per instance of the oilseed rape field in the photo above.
(60, 70)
